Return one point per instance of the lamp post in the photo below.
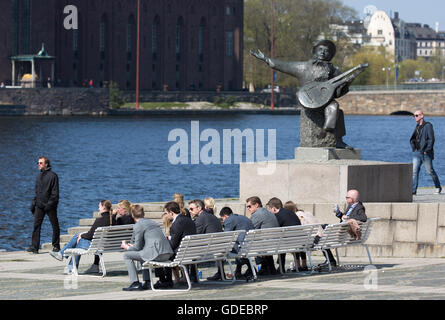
(137, 53)
(388, 69)
(396, 74)
(272, 106)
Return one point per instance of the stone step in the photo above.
(148, 214)
(86, 222)
(73, 230)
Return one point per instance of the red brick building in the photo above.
(184, 44)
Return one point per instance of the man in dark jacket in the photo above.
(205, 221)
(233, 222)
(285, 218)
(182, 226)
(422, 144)
(355, 209)
(45, 202)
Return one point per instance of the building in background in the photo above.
(430, 42)
(184, 44)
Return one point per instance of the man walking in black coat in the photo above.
(45, 202)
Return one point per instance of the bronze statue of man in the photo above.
(324, 126)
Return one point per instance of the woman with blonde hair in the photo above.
(209, 205)
(179, 199)
(123, 214)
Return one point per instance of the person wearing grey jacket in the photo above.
(262, 219)
(150, 243)
(422, 145)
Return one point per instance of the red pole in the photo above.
(137, 54)
(271, 56)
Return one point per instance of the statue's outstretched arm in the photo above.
(291, 68)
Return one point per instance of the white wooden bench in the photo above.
(196, 249)
(337, 235)
(274, 241)
(105, 239)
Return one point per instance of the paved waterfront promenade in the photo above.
(27, 276)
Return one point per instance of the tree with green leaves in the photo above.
(298, 25)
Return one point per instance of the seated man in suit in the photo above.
(233, 222)
(150, 244)
(205, 222)
(181, 226)
(355, 210)
(286, 218)
(261, 219)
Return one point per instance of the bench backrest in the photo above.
(278, 240)
(206, 247)
(109, 239)
(337, 235)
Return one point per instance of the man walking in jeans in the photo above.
(422, 143)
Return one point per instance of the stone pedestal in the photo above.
(326, 181)
(326, 154)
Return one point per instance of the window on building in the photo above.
(227, 11)
(154, 38)
(178, 39)
(229, 43)
(379, 32)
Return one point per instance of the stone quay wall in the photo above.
(56, 101)
(95, 101)
(411, 230)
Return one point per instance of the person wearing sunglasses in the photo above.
(262, 219)
(44, 203)
(422, 144)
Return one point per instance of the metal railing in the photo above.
(401, 87)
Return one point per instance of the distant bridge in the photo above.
(432, 102)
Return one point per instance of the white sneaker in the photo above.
(438, 190)
(56, 255)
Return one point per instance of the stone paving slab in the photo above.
(25, 276)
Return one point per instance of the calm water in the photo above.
(127, 158)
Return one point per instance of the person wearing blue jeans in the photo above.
(83, 240)
(76, 242)
(422, 144)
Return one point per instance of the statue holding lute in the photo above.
(322, 120)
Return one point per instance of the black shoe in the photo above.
(135, 286)
(303, 269)
(263, 272)
(325, 264)
(146, 285)
(32, 250)
(215, 277)
(163, 285)
(56, 249)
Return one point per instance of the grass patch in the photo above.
(155, 105)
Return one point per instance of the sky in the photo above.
(424, 11)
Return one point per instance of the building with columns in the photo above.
(184, 44)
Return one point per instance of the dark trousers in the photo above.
(39, 215)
